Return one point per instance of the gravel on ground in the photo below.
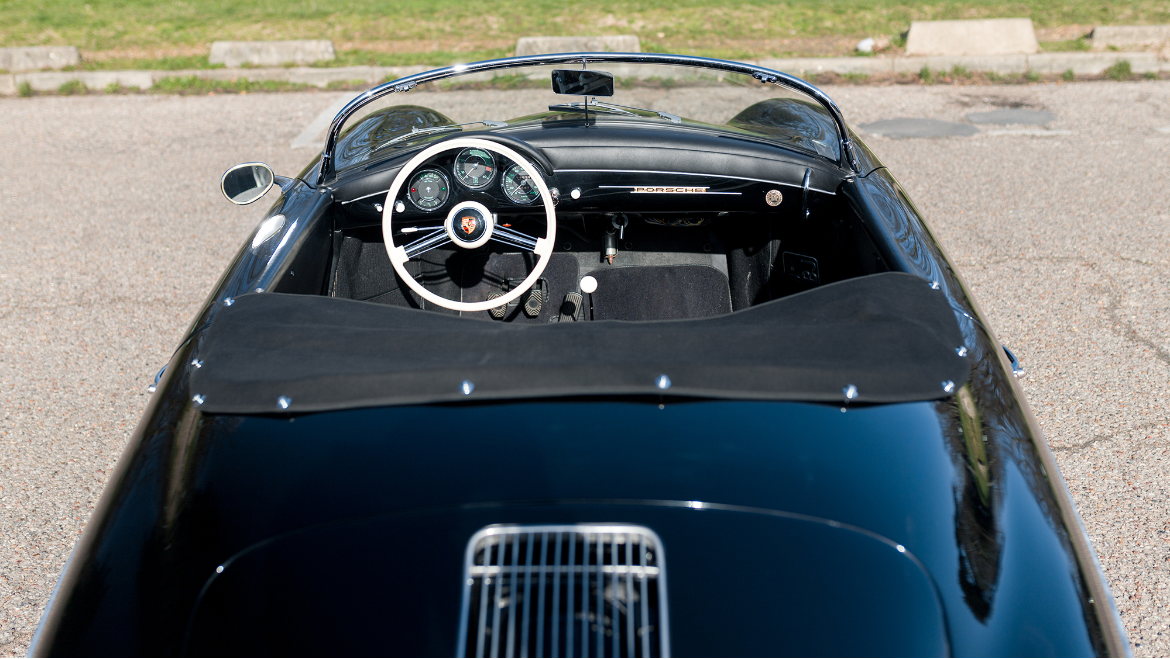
(113, 231)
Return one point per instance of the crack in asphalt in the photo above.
(1073, 449)
(1129, 333)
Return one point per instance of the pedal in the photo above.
(533, 302)
(571, 307)
(497, 312)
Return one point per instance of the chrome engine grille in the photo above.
(589, 590)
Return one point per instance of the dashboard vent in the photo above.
(587, 590)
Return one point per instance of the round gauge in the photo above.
(519, 186)
(475, 168)
(429, 189)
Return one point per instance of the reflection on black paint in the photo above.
(976, 499)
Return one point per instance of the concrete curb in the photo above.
(1081, 63)
(234, 54)
(34, 58)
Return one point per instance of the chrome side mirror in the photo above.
(244, 184)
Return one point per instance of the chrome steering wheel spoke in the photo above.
(428, 242)
(519, 239)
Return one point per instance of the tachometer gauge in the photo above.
(475, 168)
(429, 189)
(519, 186)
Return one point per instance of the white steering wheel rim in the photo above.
(543, 249)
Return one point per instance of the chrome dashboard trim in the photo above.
(642, 171)
(848, 158)
(728, 176)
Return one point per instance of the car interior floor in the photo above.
(663, 267)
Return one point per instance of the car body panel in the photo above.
(966, 486)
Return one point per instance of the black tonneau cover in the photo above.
(889, 335)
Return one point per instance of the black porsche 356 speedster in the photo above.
(599, 380)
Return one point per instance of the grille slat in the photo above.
(527, 598)
(498, 585)
(512, 601)
(603, 593)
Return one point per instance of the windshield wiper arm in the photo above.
(418, 132)
(615, 109)
(596, 107)
(674, 118)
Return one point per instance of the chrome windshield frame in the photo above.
(847, 159)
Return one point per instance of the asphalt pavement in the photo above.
(113, 231)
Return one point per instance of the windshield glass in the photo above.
(685, 97)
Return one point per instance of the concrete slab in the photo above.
(1093, 63)
(914, 127)
(35, 58)
(371, 75)
(234, 54)
(620, 43)
(1004, 64)
(48, 81)
(1130, 36)
(992, 36)
(803, 66)
(1012, 116)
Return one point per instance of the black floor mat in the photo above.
(659, 293)
(484, 274)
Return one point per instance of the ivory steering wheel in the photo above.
(469, 224)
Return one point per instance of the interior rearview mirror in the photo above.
(582, 83)
(244, 184)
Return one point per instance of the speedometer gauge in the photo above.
(519, 186)
(475, 168)
(429, 189)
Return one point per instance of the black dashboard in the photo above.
(593, 168)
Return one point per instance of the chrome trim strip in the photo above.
(652, 171)
(848, 157)
(372, 194)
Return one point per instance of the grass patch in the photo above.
(197, 85)
(1122, 70)
(464, 29)
(423, 58)
(71, 87)
(25, 90)
(1066, 46)
(1032, 76)
(926, 75)
(158, 64)
(1068, 76)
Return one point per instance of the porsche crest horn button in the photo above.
(469, 225)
